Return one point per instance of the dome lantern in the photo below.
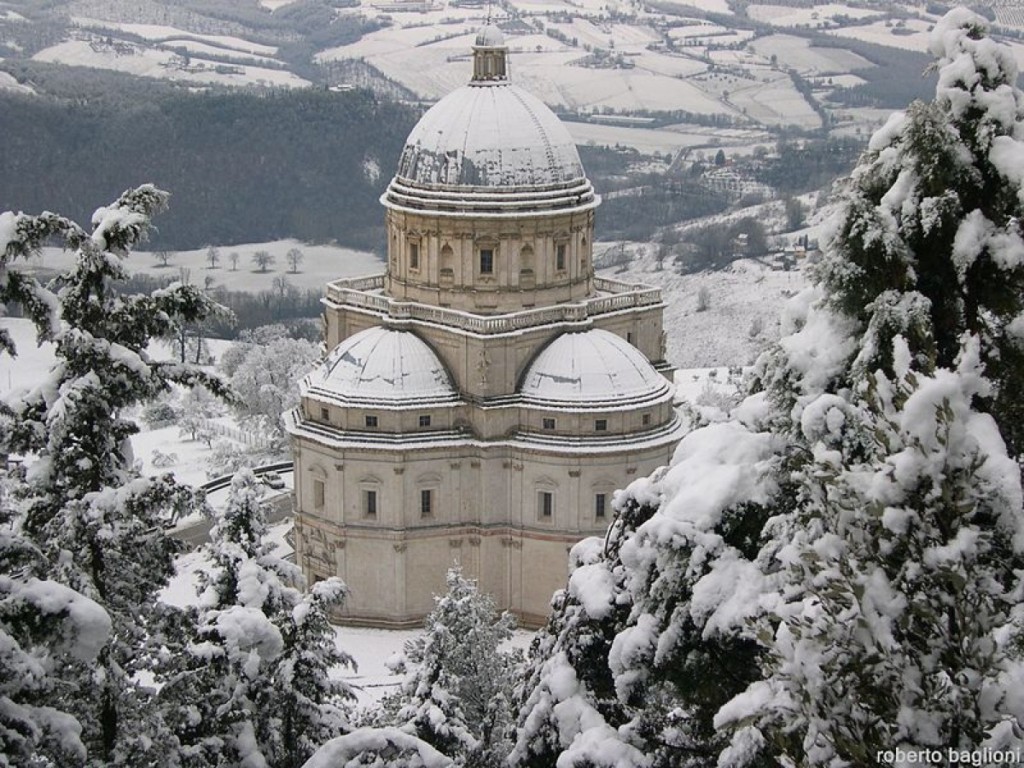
(490, 57)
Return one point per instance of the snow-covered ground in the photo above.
(163, 64)
(668, 139)
(584, 55)
(696, 340)
(319, 265)
(814, 16)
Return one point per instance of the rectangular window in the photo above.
(601, 425)
(370, 503)
(560, 257)
(426, 503)
(318, 494)
(646, 419)
(546, 503)
(486, 261)
(549, 423)
(600, 501)
(325, 414)
(371, 422)
(424, 421)
(629, 336)
(414, 256)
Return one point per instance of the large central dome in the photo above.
(490, 148)
(493, 136)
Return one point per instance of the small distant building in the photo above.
(485, 396)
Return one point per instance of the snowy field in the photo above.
(814, 16)
(428, 52)
(798, 53)
(320, 264)
(667, 139)
(160, 32)
(163, 64)
(914, 37)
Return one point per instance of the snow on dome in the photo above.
(592, 368)
(381, 366)
(490, 148)
(489, 36)
(490, 137)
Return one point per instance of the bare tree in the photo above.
(281, 286)
(233, 258)
(703, 299)
(164, 257)
(263, 260)
(212, 257)
(295, 258)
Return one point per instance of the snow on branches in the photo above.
(837, 568)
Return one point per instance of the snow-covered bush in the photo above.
(160, 413)
(162, 460)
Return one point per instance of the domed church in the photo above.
(486, 395)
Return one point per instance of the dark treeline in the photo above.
(638, 216)
(809, 165)
(286, 304)
(241, 167)
(898, 77)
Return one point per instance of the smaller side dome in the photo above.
(381, 367)
(489, 36)
(592, 369)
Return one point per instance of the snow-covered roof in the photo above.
(491, 136)
(592, 369)
(490, 148)
(489, 36)
(381, 366)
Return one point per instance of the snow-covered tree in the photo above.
(306, 707)
(570, 689)
(266, 381)
(94, 520)
(928, 243)
(900, 570)
(43, 626)
(836, 569)
(197, 407)
(378, 748)
(254, 688)
(457, 693)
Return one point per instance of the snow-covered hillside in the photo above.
(588, 57)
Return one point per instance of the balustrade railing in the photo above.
(615, 295)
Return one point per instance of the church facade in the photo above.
(485, 396)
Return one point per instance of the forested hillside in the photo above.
(241, 167)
